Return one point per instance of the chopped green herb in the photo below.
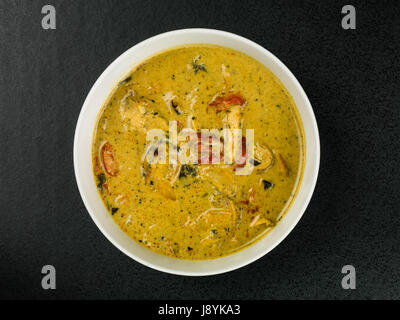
(198, 66)
(114, 210)
(102, 180)
(187, 170)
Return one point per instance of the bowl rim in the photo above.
(315, 133)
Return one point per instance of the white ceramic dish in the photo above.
(83, 142)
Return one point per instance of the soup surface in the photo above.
(198, 210)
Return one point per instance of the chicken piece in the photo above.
(221, 177)
(155, 122)
(215, 217)
(165, 189)
(283, 168)
(212, 218)
(263, 156)
(258, 220)
(233, 119)
(120, 199)
(162, 177)
(226, 76)
(130, 111)
(140, 118)
(220, 218)
(209, 240)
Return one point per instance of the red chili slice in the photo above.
(223, 103)
(109, 163)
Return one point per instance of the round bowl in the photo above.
(83, 144)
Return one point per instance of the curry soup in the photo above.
(198, 210)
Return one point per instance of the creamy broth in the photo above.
(197, 210)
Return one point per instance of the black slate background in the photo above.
(351, 78)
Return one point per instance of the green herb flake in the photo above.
(198, 66)
(101, 180)
(187, 170)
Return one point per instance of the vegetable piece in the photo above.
(126, 80)
(267, 184)
(114, 210)
(223, 103)
(198, 67)
(283, 169)
(102, 178)
(107, 158)
(254, 162)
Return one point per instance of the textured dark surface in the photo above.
(351, 78)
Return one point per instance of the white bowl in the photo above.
(83, 144)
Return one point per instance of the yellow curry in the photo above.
(198, 210)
